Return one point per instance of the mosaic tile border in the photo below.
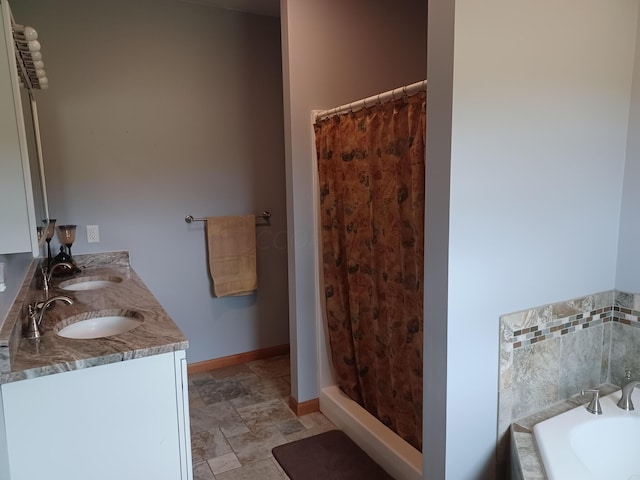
(563, 326)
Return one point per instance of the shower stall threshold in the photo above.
(401, 460)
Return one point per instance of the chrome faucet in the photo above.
(628, 385)
(48, 272)
(36, 311)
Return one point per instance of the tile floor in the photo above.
(238, 414)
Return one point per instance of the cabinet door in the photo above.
(184, 423)
(114, 421)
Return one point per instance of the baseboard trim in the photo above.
(215, 363)
(304, 408)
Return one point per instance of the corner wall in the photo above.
(541, 95)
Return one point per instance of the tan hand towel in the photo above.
(232, 254)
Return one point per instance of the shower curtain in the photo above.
(371, 174)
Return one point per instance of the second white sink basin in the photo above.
(90, 283)
(101, 324)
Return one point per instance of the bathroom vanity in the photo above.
(102, 408)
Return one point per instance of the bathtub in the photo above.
(401, 460)
(580, 445)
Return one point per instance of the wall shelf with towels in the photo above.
(265, 216)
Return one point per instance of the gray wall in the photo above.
(334, 52)
(628, 267)
(541, 95)
(158, 109)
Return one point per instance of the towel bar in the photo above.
(266, 216)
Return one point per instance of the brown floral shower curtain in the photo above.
(371, 173)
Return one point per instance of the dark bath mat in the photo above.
(327, 456)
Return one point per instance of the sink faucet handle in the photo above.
(594, 405)
(36, 311)
(44, 280)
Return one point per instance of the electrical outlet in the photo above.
(93, 234)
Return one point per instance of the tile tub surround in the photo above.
(550, 353)
(53, 354)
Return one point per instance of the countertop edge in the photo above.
(53, 369)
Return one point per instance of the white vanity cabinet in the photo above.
(124, 420)
(17, 210)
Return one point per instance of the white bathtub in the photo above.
(582, 446)
(396, 456)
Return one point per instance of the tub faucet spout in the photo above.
(628, 385)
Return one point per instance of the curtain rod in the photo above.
(372, 100)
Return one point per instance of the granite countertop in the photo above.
(524, 451)
(21, 358)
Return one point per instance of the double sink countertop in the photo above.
(21, 358)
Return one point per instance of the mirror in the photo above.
(35, 159)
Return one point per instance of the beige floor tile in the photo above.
(218, 415)
(202, 471)
(207, 444)
(267, 413)
(310, 432)
(314, 419)
(257, 444)
(224, 463)
(260, 470)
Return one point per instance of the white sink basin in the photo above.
(99, 325)
(90, 283)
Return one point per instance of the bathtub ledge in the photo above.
(526, 463)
